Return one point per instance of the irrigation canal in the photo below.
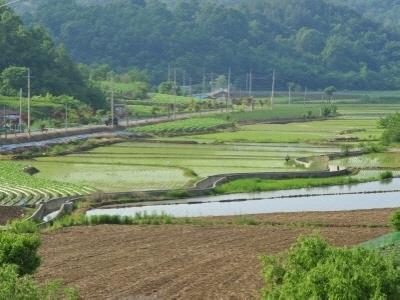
(371, 195)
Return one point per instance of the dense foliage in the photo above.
(51, 68)
(314, 270)
(395, 220)
(312, 43)
(18, 257)
(391, 126)
(19, 250)
(386, 12)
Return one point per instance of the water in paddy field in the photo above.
(386, 195)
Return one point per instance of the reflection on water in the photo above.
(268, 203)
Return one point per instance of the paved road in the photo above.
(74, 133)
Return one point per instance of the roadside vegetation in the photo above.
(19, 260)
(187, 126)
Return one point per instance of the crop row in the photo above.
(188, 125)
(20, 188)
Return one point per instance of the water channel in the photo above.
(369, 195)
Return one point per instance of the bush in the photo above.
(20, 250)
(312, 269)
(395, 220)
(22, 288)
(24, 226)
(386, 175)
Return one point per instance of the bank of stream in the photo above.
(370, 195)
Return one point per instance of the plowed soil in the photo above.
(190, 261)
(8, 213)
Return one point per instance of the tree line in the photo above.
(312, 43)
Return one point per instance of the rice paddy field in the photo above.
(149, 166)
(178, 162)
(19, 189)
(301, 132)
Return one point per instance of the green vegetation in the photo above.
(145, 165)
(19, 259)
(262, 185)
(395, 220)
(329, 131)
(310, 44)
(138, 219)
(391, 126)
(312, 269)
(386, 175)
(184, 126)
(171, 99)
(19, 188)
(52, 68)
(50, 110)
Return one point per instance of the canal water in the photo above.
(335, 198)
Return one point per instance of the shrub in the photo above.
(23, 226)
(386, 175)
(312, 269)
(19, 250)
(15, 287)
(395, 220)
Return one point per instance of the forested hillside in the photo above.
(51, 68)
(309, 42)
(386, 12)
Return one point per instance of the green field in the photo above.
(304, 132)
(184, 126)
(178, 162)
(19, 188)
(144, 166)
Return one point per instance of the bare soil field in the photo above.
(188, 261)
(8, 213)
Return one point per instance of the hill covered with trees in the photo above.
(51, 68)
(312, 43)
(385, 12)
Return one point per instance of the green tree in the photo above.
(312, 269)
(12, 79)
(329, 92)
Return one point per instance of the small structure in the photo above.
(30, 170)
(220, 94)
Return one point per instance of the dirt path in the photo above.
(186, 262)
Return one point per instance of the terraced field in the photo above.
(148, 166)
(18, 188)
(302, 132)
(184, 126)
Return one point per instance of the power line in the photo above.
(11, 2)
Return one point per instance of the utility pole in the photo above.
(112, 101)
(251, 89)
(251, 84)
(29, 101)
(174, 78)
(169, 72)
(66, 116)
(20, 111)
(204, 82)
(273, 89)
(229, 89)
(190, 87)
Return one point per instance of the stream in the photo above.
(371, 195)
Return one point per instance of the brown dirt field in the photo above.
(8, 213)
(185, 261)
